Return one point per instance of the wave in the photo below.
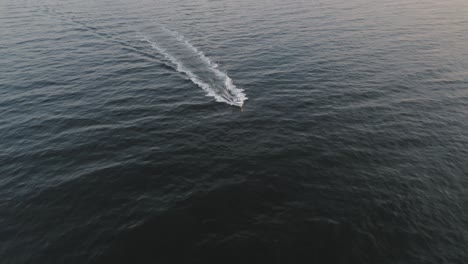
(187, 59)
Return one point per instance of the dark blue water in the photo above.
(122, 139)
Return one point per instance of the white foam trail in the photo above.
(232, 95)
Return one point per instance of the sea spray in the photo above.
(187, 59)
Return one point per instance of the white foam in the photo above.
(232, 95)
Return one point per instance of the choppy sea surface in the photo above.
(122, 139)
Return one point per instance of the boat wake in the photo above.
(197, 66)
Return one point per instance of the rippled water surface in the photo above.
(122, 139)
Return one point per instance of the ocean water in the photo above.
(216, 131)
